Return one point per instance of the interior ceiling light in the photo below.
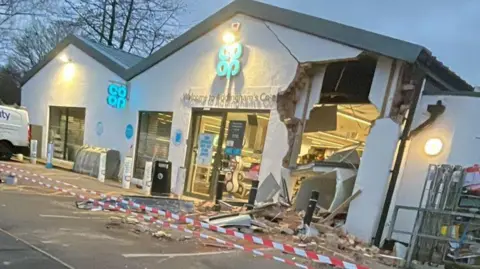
(326, 146)
(262, 117)
(340, 137)
(212, 118)
(212, 126)
(161, 139)
(318, 140)
(348, 116)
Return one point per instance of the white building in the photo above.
(274, 83)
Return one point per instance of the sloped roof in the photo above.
(123, 58)
(336, 32)
(444, 93)
(121, 64)
(115, 60)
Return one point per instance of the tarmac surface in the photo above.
(15, 253)
(42, 228)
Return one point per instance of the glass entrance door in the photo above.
(204, 156)
(232, 140)
(66, 128)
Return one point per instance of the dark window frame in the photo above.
(137, 142)
(66, 110)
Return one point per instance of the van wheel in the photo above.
(5, 151)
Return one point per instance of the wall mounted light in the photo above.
(64, 58)
(229, 54)
(433, 146)
(228, 37)
(68, 71)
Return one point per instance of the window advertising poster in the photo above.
(236, 133)
(205, 149)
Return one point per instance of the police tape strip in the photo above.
(253, 239)
(161, 223)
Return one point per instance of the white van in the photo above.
(15, 133)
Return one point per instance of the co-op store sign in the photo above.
(229, 60)
(117, 95)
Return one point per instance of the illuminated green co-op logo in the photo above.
(229, 60)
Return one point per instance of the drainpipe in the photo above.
(398, 161)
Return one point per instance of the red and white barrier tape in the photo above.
(161, 223)
(251, 238)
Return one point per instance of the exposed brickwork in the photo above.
(286, 105)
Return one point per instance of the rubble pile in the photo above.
(275, 220)
(281, 223)
(140, 227)
(176, 206)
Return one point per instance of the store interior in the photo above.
(346, 125)
(241, 167)
(335, 135)
(153, 139)
(66, 131)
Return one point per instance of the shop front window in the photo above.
(153, 139)
(66, 131)
(229, 141)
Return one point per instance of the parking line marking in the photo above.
(68, 217)
(39, 250)
(59, 216)
(172, 255)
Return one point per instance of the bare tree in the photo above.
(136, 26)
(13, 10)
(35, 42)
(9, 86)
(14, 14)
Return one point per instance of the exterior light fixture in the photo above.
(228, 37)
(68, 71)
(229, 64)
(433, 146)
(64, 58)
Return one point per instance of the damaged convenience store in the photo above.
(274, 95)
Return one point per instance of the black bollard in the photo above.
(312, 204)
(253, 195)
(220, 188)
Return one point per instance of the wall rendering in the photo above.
(267, 68)
(372, 179)
(461, 145)
(81, 83)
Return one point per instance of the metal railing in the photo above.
(437, 241)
